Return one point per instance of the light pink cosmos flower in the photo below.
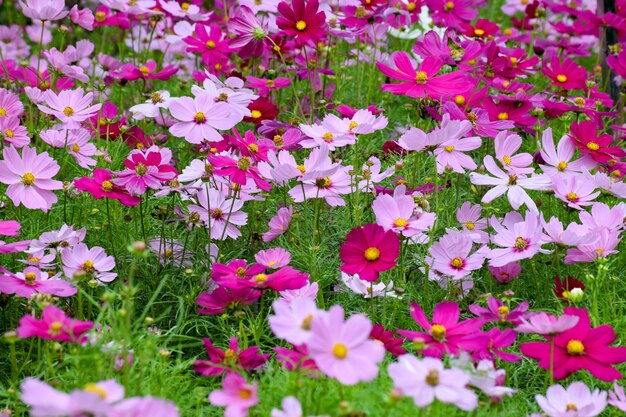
(10, 105)
(603, 217)
(512, 185)
(309, 291)
(191, 11)
(151, 108)
(609, 184)
(29, 177)
(94, 399)
(517, 239)
(229, 92)
(331, 131)
(559, 161)
(506, 145)
(576, 190)
(451, 255)
(449, 154)
(273, 258)
(82, 17)
(291, 408)
(32, 281)
(469, 215)
(546, 324)
(81, 149)
(484, 376)
(368, 289)
(200, 117)
(71, 107)
(93, 263)
(617, 398)
(222, 215)
(397, 213)
(13, 133)
(44, 10)
(556, 233)
(292, 320)
(144, 406)
(236, 395)
(342, 349)
(281, 167)
(372, 173)
(58, 240)
(426, 379)
(278, 224)
(575, 401)
(602, 243)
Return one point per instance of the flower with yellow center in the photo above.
(572, 197)
(156, 98)
(144, 70)
(448, 6)
(575, 347)
(571, 407)
(301, 168)
(323, 182)
(75, 147)
(107, 186)
(340, 351)
(95, 389)
(199, 117)
(255, 114)
(513, 60)
(438, 332)
(561, 166)
(89, 266)
(245, 393)
(421, 77)
(479, 32)
(592, 146)
(449, 148)
(328, 137)
(456, 263)
(68, 111)
(372, 254)
(561, 78)
(210, 44)
(301, 25)
(459, 100)
(306, 323)
(470, 225)
(141, 169)
(28, 178)
(400, 222)
(55, 328)
(503, 116)
(30, 278)
(253, 148)
(520, 243)
(580, 102)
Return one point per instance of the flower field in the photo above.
(299, 208)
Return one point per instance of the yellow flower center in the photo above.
(421, 77)
(240, 272)
(210, 44)
(503, 311)
(503, 116)
(448, 6)
(300, 25)
(372, 254)
(30, 278)
(9, 133)
(456, 263)
(328, 137)
(411, 6)
(255, 114)
(55, 328)
(561, 78)
(245, 393)
(520, 243)
(243, 163)
(144, 70)
(512, 179)
(479, 32)
(199, 117)
(88, 266)
(34, 259)
(323, 182)
(28, 178)
(400, 222)
(513, 60)
(352, 125)
(579, 101)
(141, 169)
(301, 168)
(3, 112)
(561, 166)
(340, 351)
(572, 197)
(306, 323)
(156, 98)
(470, 225)
(75, 147)
(95, 389)
(68, 111)
(107, 186)
(260, 278)
(449, 148)
(438, 332)
(506, 159)
(571, 407)
(100, 17)
(253, 147)
(432, 378)
(460, 100)
(575, 347)
(184, 7)
(592, 146)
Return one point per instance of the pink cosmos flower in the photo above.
(452, 13)
(101, 186)
(342, 349)
(232, 359)
(368, 251)
(576, 190)
(473, 225)
(617, 398)
(303, 21)
(422, 82)
(367, 289)
(44, 10)
(236, 395)
(93, 263)
(559, 161)
(145, 406)
(556, 233)
(446, 334)
(148, 71)
(200, 117)
(426, 379)
(332, 131)
(292, 320)
(58, 240)
(609, 184)
(221, 300)
(506, 145)
(146, 169)
(32, 281)
(54, 325)
(211, 43)
(499, 313)
(81, 149)
(497, 341)
(29, 177)
(71, 107)
(581, 347)
(278, 224)
(566, 73)
(273, 258)
(222, 216)
(451, 255)
(308, 291)
(291, 408)
(546, 324)
(511, 184)
(82, 17)
(517, 239)
(601, 244)
(239, 170)
(397, 213)
(575, 400)
(13, 133)
(9, 228)
(449, 154)
(506, 273)
(10, 105)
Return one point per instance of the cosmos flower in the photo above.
(302, 21)
(71, 107)
(368, 251)
(575, 400)
(236, 395)
(234, 358)
(93, 263)
(54, 325)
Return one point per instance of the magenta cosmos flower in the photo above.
(566, 74)
(233, 358)
(29, 177)
(199, 117)
(278, 224)
(33, 281)
(236, 395)
(302, 21)
(445, 334)
(145, 170)
(497, 312)
(222, 300)
(422, 82)
(69, 106)
(368, 251)
(101, 186)
(54, 325)
(581, 347)
(342, 349)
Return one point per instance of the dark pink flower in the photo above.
(233, 358)
(54, 325)
(368, 251)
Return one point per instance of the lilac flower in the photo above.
(574, 401)
(506, 145)
(576, 190)
(517, 240)
(278, 224)
(93, 263)
(451, 255)
(546, 324)
(292, 320)
(69, 106)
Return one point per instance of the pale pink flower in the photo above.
(575, 401)
(372, 174)
(278, 224)
(93, 263)
(200, 117)
(559, 161)
(342, 349)
(291, 408)
(506, 273)
(158, 101)
(451, 255)
(274, 258)
(556, 233)
(517, 240)
(617, 398)
(332, 131)
(29, 177)
(609, 184)
(309, 291)
(71, 107)
(546, 324)
(576, 190)
(292, 320)
(474, 226)
(81, 149)
(601, 244)
(506, 145)
(366, 288)
(603, 217)
(236, 395)
(222, 215)
(10, 105)
(229, 92)
(397, 213)
(82, 17)
(44, 10)
(13, 133)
